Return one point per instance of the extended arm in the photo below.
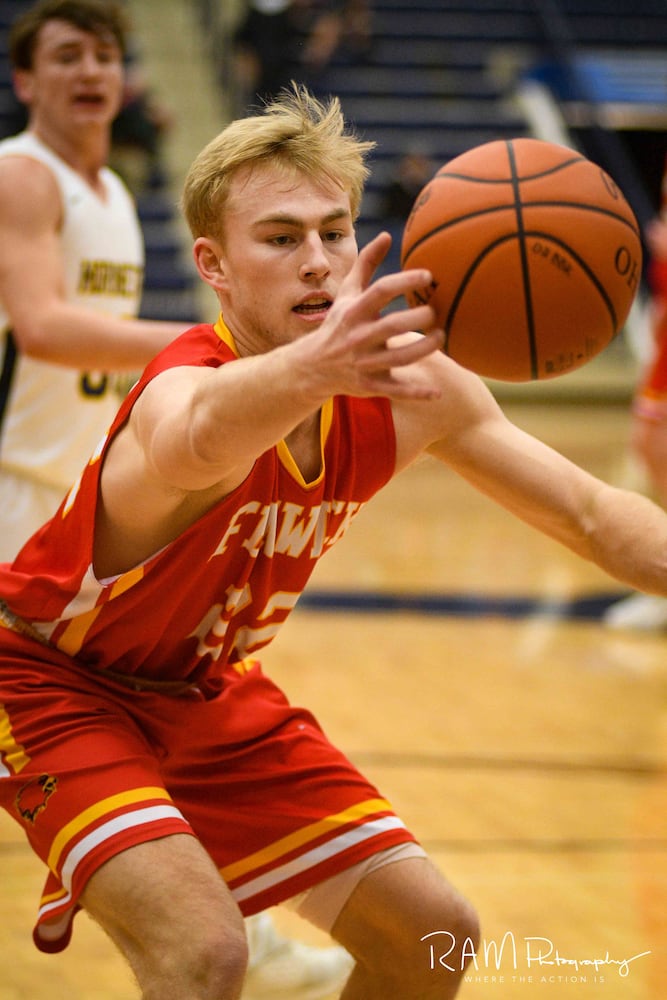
(622, 532)
(194, 433)
(200, 428)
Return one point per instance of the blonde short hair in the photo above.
(296, 132)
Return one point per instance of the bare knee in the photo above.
(449, 938)
(411, 932)
(449, 947)
(170, 914)
(208, 964)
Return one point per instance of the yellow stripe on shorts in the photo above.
(303, 836)
(11, 751)
(95, 812)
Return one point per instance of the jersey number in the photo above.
(94, 383)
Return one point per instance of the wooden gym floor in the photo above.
(523, 742)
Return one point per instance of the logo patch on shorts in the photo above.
(33, 797)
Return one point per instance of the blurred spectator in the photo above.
(328, 29)
(413, 171)
(263, 45)
(140, 125)
(280, 40)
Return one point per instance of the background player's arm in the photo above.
(45, 325)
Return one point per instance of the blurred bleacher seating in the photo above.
(442, 75)
(604, 64)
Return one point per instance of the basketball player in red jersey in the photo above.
(71, 268)
(143, 749)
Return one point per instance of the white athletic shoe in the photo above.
(644, 612)
(282, 969)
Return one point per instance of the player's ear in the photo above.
(207, 254)
(22, 83)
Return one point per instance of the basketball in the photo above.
(535, 256)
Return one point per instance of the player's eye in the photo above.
(67, 56)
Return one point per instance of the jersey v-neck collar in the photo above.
(284, 454)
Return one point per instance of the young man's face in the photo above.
(288, 243)
(76, 78)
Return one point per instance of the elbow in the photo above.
(32, 339)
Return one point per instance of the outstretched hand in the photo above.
(362, 351)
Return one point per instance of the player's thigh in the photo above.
(76, 773)
(166, 907)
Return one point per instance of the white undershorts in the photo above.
(321, 905)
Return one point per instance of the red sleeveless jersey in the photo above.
(222, 589)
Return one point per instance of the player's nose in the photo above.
(315, 260)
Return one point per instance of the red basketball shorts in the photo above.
(89, 768)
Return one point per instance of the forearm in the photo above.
(624, 533)
(201, 428)
(627, 537)
(231, 416)
(76, 337)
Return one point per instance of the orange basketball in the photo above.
(535, 256)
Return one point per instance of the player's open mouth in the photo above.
(312, 307)
(91, 100)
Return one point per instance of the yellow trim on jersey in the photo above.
(243, 666)
(74, 635)
(326, 416)
(94, 812)
(126, 580)
(12, 753)
(285, 455)
(303, 836)
(225, 334)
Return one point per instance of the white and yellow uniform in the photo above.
(52, 417)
